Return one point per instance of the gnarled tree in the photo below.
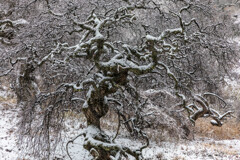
(104, 57)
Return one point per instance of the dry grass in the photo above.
(8, 103)
(9, 99)
(74, 115)
(159, 156)
(110, 121)
(229, 130)
(178, 158)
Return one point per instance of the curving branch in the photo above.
(175, 55)
(203, 109)
(71, 141)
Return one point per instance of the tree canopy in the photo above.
(91, 56)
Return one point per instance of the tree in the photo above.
(103, 58)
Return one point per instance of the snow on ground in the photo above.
(195, 150)
(207, 149)
(8, 119)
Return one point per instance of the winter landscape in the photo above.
(201, 148)
(119, 80)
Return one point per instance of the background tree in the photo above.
(89, 57)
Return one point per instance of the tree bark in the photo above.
(95, 110)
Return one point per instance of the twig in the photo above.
(71, 141)
(119, 124)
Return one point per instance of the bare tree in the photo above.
(105, 54)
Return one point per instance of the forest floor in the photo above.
(198, 149)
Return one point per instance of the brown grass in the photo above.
(229, 130)
(8, 99)
(178, 158)
(74, 115)
(110, 121)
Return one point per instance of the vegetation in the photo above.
(92, 56)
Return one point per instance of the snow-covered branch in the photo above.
(203, 109)
(106, 54)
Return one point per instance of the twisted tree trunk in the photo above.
(93, 112)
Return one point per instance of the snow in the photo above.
(20, 21)
(197, 150)
(126, 64)
(164, 34)
(8, 121)
(206, 149)
(151, 92)
(16, 22)
(151, 38)
(214, 122)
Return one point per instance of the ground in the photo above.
(198, 149)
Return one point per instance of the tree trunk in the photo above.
(97, 108)
(93, 114)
